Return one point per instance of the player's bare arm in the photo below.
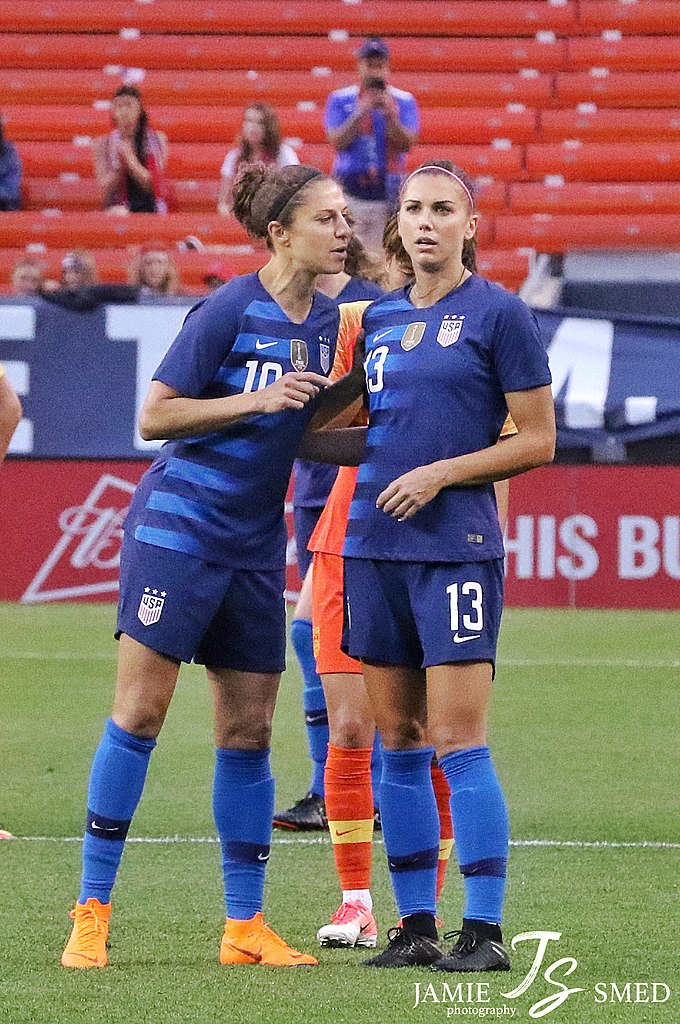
(10, 413)
(168, 414)
(532, 446)
(342, 447)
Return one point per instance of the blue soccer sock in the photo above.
(410, 828)
(313, 701)
(376, 769)
(116, 783)
(243, 806)
(481, 828)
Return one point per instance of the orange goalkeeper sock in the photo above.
(349, 807)
(442, 795)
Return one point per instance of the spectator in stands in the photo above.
(154, 271)
(10, 415)
(372, 125)
(79, 290)
(28, 276)
(130, 161)
(258, 142)
(78, 269)
(10, 173)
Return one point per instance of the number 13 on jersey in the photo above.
(466, 595)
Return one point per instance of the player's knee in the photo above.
(404, 734)
(351, 732)
(449, 740)
(253, 736)
(144, 722)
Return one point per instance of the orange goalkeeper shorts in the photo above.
(328, 601)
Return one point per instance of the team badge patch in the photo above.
(324, 356)
(449, 331)
(151, 606)
(299, 356)
(413, 335)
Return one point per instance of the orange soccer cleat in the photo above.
(254, 942)
(86, 946)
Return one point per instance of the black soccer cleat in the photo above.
(307, 815)
(473, 953)
(406, 949)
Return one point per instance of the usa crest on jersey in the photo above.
(324, 353)
(151, 606)
(299, 356)
(449, 330)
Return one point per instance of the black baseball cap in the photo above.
(374, 47)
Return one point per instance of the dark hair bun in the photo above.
(243, 192)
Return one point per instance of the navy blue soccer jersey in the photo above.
(436, 380)
(220, 496)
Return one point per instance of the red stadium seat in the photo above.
(53, 194)
(387, 17)
(282, 88)
(221, 124)
(609, 125)
(559, 233)
(654, 17)
(191, 196)
(277, 52)
(479, 161)
(619, 88)
(508, 268)
(588, 197)
(97, 230)
(112, 264)
(592, 161)
(641, 53)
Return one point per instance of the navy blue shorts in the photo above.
(420, 614)
(305, 519)
(191, 610)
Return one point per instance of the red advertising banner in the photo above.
(578, 536)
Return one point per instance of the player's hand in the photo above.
(409, 493)
(292, 391)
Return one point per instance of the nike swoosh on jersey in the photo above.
(264, 344)
(463, 639)
(382, 334)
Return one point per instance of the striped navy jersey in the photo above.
(220, 496)
(436, 380)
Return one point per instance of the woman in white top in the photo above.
(259, 142)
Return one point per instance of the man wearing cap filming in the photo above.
(372, 126)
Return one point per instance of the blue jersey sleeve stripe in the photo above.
(194, 473)
(391, 306)
(266, 311)
(176, 505)
(376, 435)
(170, 539)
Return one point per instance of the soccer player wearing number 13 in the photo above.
(446, 358)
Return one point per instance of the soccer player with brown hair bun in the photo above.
(203, 557)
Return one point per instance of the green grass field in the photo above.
(585, 733)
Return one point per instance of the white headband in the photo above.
(443, 170)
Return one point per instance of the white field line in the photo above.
(512, 662)
(325, 841)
